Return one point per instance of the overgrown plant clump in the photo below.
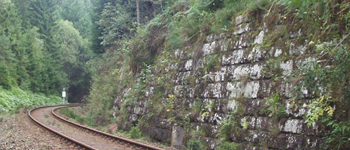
(328, 77)
(229, 146)
(135, 132)
(276, 108)
(194, 145)
(15, 99)
(229, 127)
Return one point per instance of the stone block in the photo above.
(295, 34)
(260, 38)
(242, 42)
(253, 106)
(241, 19)
(199, 64)
(232, 105)
(255, 55)
(177, 137)
(181, 54)
(178, 91)
(159, 134)
(292, 126)
(241, 71)
(220, 106)
(278, 52)
(209, 48)
(237, 57)
(247, 90)
(287, 67)
(263, 123)
(214, 37)
(297, 50)
(138, 110)
(149, 91)
(214, 90)
(298, 111)
(250, 120)
(188, 65)
(286, 89)
(287, 141)
(255, 71)
(242, 28)
(255, 136)
(189, 92)
(134, 117)
(171, 67)
(224, 45)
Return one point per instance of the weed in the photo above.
(229, 127)
(274, 130)
(212, 62)
(276, 109)
(319, 108)
(1, 119)
(229, 146)
(328, 78)
(135, 132)
(245, 125)
(194, 145)
(46, 116)
(14, 99)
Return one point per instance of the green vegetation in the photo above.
(228, 145)
(15, 99)
(42, 52)
(135, 132)
(194, 145)
(332, 75)
(119, 49)
(229, 127)
(276, 109)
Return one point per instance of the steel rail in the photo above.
(138, 144)
(56, 132)
(86, 146)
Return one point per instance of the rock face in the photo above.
(244, 75)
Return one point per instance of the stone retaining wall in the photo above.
(246, 73)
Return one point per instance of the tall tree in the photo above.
(14, 54)
(78, 12)
(44, 15)
(115, 23)
(76, 52)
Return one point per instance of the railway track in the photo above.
(84, 137)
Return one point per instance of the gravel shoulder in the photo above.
(17, 131)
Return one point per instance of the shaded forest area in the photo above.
(44, 48)
(46, 45)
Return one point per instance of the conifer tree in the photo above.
(44, 15)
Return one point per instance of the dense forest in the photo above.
(44, 48)
(50, 45)
(109, 53)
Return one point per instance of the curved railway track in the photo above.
(80, 135)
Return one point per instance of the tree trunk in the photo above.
(138, 12)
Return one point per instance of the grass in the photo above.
(135, 132)
(11, 101)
